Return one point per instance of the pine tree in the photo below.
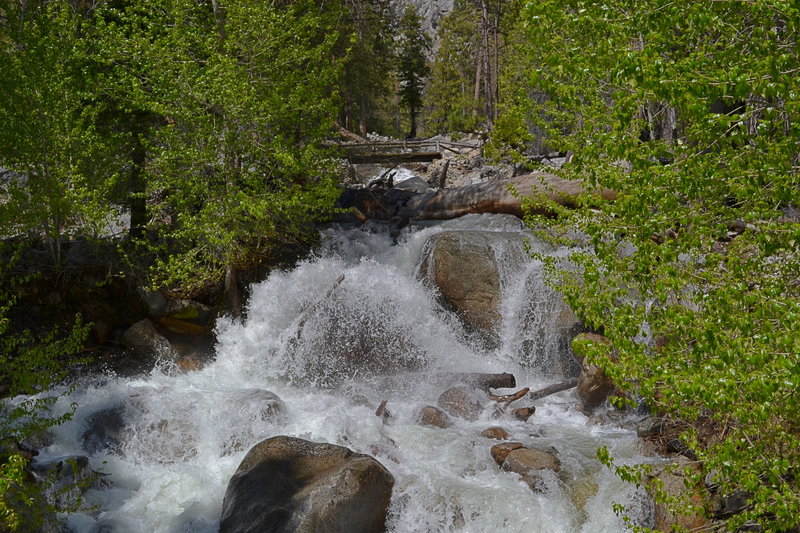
(451, 100)
(413, 46)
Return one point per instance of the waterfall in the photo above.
(310, 360)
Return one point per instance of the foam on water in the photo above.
(185, 434)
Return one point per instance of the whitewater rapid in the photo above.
(187, 432)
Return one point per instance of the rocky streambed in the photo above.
(348, 396)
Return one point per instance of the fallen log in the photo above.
(486, 381)
(347, 134)
(500, 196)
(552, 389)
(407, 382)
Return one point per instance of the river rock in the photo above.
(189, 311)
(288, 484)
(524, 413)
(649, 426)
(672, 483)
(463, 266)
(496, 433)
(525, 461)
(500, 451)
(104, 430)
(594, 386)
(460, 402)
(144, 339)
(434, 417)
(415, 184)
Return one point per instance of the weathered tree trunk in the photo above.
(233, 296)
(502, 196)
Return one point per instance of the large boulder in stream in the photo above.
(464, 268)
(288, 484)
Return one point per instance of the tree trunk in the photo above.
(137, 202)
(491, 197)
(233, 296)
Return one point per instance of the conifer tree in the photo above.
(412, 64)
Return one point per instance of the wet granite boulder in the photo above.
(525, 461)
(434, 417)
(496, 433)
(500, 451)
(460, 402)
(288, 484)
(464, 268)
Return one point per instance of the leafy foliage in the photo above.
(30, 365)
(691, 112)
(62, 170)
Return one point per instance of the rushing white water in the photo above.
(184, 434)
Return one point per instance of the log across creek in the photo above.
(382, 202)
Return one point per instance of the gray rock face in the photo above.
(287, 484)
(431, 11)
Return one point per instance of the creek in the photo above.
(186, 433)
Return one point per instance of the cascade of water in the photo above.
(308, 360)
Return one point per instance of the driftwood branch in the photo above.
(552, 389)
(347, 134)
(383, 412)
(308, 311)
(507, 399)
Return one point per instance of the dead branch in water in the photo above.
(552, 389)
(507, 399)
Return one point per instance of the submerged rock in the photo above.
(525, 461)
(104, 430)
(496, 433)
(288, 484)
(460, 402)
(500, 451)
(144, 339)
(434, 417)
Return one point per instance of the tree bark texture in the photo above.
(502, 196)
